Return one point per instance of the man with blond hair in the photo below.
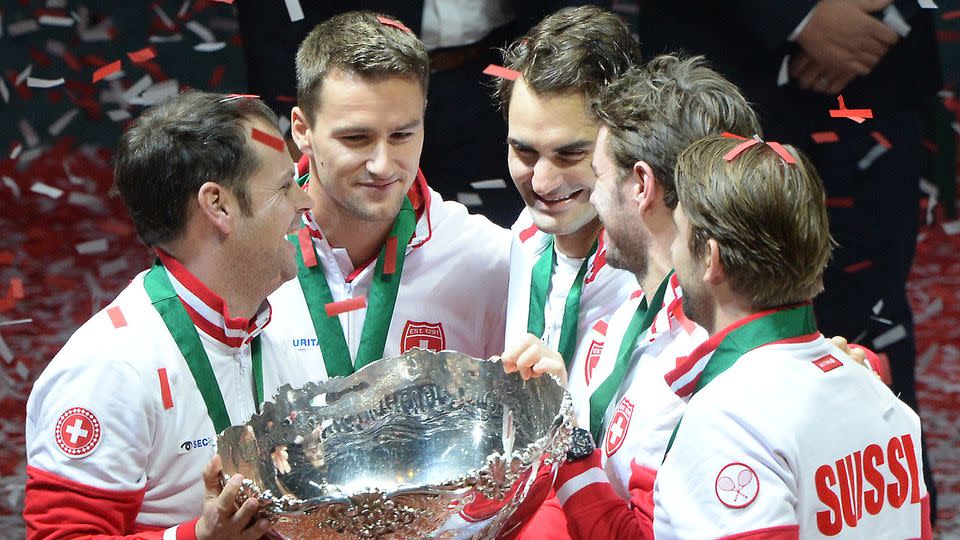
(384, 263)
(782, 437)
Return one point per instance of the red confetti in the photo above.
(306, 248)
(781, 151)
(821, 137)
(856, 267)
(950, 15)
(144, 54)
(396, 24)
(273, 142)
(16, 288)
(116, 317)
(930, 145)
(6, 257)
(738, 149)
(528, 233)
(857, 115)
(165, 388)
(502, 72)
(217, 76)
(729, 135)
(106, 70)
(390, 256)
(224, 1)
(351, 304)
(600, 328)
(881, 140)
(840, 202)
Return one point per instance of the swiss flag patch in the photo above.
(77, 432)
(827, 363)
(423, 335)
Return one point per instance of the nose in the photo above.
(380, 163)
(546, 178)
(302, 201)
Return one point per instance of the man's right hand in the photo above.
(845, 39)
(220, 517)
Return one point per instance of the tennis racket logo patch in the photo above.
(737, 485)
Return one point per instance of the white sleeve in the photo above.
(722, 478)
(91, 420)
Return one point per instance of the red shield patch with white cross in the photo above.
(422, 335)
(737, 485)
(77, 432)
(617, 432)
(593, 356)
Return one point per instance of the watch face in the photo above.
(581, 444)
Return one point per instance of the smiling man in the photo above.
(560, 283)
(429, 274)
(124, 418)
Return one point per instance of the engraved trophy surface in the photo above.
(424, 445)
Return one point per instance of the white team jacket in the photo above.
(605, 289)
(116, 416)
(452, 292)
(794, 438)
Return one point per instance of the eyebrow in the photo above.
(575, 146)
(364, 129)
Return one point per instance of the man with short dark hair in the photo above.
(385, 265)
(124, 418)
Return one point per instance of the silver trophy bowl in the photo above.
(424, 445)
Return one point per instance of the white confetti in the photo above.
(29, 135)
(284, 125)
(22, 76)
(12, 184)
(75, 180)
(51, 20)
(118, 114)
(173, 38)
(494, 183)
(34, 82)
(183, 9)
(4, 93)
(889, 337)
(294, 9)
(933, 308)
(93, 246)
(157, 93)
(84, 199)
(100, 32)
(894, 19)
(163, 16)
(867, 160)
(209, 47)
(469, 199)
(5, 351)
(22, 370)
(929, 187)
(58, 126)
(112, 267)
(25, 26)
(878, 306)
(202, 31)
(952, 227)
(927, 4)
(56, 48)
(137, 88)
(924, 360)
(15, 322)
(56, 4)
(44, 189)
(16, 151)
(955, 126)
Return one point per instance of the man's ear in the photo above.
(217, 206)
(714, 272)
(649, 188)
(300, 131)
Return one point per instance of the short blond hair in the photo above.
(655, 111)
(768, 217)
(357, 42)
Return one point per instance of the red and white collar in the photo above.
(208, 311)
(683, 379)
(420, 199)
